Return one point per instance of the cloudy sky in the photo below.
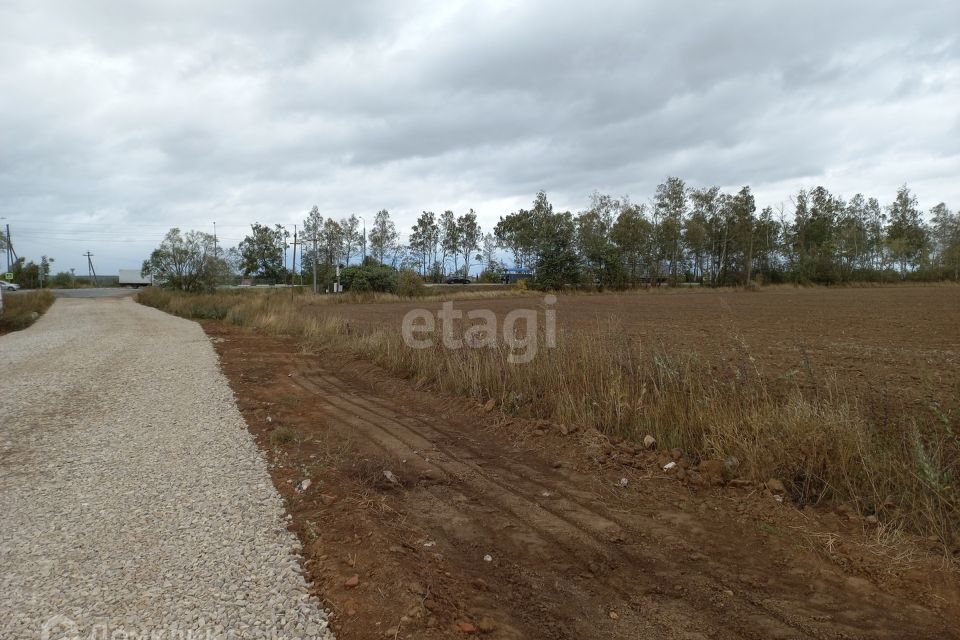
(121, 119)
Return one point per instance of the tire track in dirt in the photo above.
(585, 520)
(571, 525)
(762, 611)
(469, 485)
(546, 531)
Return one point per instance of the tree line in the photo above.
(681, 235)
(707, 236)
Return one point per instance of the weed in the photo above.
(22, 309)
(820, 441)
(282, 436)
(410, 285)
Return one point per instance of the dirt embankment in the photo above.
(428, 517)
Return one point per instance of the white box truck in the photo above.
(133, 278)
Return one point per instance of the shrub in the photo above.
(61, 280)
(22, 309)
(282, 435)
(212, 312)
(369, 277)
(409, 284)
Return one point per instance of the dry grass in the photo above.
(21, 309)
(440, 292)
(282, 435)
(822, 444)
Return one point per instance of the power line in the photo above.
(293, 267)
(87, 223)
(90, 272)
(11, 254)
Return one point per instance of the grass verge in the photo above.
(21, 309)
(823, 444)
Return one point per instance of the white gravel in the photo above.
(133, 500)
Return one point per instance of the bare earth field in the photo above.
(894, 345)
(429, 516)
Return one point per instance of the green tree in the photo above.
(557, 263)
(26, 274)
(632, 234)
(906, 233)
(371, 276)
(312, 238)
(410, 284)
(61, 280)
(670, 210)
(516, 233)
(696, 240)
(742, 209)
(601, 255)
(468, 238)
(331, 244)
(262, 252)
(853, 237)
(709, 240)
(186, 261)
(766, 245)
(352, 238)
(492, 268)
(383, 236)
(450, 239)
(424, 241)
(813, 236)
(44, 271)
(946, 240)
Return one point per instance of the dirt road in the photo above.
(133, 499)
(429, 517)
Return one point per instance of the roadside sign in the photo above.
(8, 276)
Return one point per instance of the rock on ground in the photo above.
(133, 498)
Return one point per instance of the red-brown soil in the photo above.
(894, 346)
(572, 552)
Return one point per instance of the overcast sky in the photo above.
(121, 119)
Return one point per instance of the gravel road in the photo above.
(133, 498)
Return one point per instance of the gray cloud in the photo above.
(122, 119)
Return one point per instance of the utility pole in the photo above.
(364, 246)
(285, 247)
(11, 254)
(214, 238)
(314, 240)
(91, 273)
(293, 267)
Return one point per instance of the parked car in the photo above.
(458, 280)
(9, 286)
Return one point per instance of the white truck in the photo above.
(133, 278)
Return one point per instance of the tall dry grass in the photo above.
(21, 309)
(437, 292)
(822, 443)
